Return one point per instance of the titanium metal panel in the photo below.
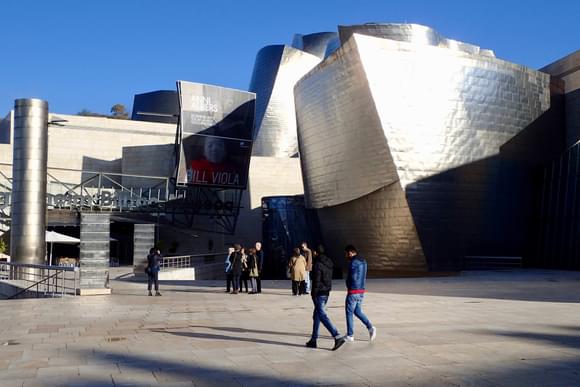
(316, 44)
(410, 33)
(277, 70)
(440, 117)
(343, 149)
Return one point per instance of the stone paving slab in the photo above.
(519, 328)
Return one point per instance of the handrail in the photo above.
(185, 261)
(31, 286)
(35, 275)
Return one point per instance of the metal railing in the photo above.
(37, 281)
(185, 261)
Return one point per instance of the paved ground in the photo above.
(479, 329)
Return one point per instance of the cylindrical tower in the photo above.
(27, 236)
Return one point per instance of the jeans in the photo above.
(254, 285)
(153, 278)
(353, 305)
(307, 280)
(320, 316)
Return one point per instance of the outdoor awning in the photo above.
(55, 237)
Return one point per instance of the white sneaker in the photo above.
(349, 339)
(373, 333)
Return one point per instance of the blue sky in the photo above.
(92, 54)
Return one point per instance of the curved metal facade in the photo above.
(399, 140)
(316, 44)
(276, 71)
(410, 33)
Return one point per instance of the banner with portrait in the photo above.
(216, 126)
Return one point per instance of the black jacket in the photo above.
(236, 259)
(321, 276)
(260, 256)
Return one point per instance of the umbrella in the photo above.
(55, 237)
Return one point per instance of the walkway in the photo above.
(480, 329)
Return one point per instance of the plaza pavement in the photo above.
(518, 328)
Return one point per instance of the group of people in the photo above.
(242, 265)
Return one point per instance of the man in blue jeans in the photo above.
(320, 291)
(355, 284)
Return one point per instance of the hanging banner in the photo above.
(216, 131)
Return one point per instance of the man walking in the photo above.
(260, 257)
(321, 286)
(308, 255)
(355, 284)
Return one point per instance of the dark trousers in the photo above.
(236, 283)
(244, 280)
(153, 278)
(229, 281)
(298, 287)
(259, 282)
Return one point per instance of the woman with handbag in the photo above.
(297, 267)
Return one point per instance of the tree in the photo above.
(119, 111)
(3, 246)
(88, 113)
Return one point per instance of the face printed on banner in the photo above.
(214, 150)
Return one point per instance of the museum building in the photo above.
(427, 153)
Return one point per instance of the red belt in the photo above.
(356, 291)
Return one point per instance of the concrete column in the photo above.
(30, 155)
(143, 240)
(94, 254)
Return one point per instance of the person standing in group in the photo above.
(297, 266)
(245, 271)
(236, 258)
(321, 286)
(152, 270)
(260, 256)
(252, 261)
(355, 285)
(308, 255)
(228, 269)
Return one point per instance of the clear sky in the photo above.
(91, 54)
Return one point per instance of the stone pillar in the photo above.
(30, 155)
(94, 254)
(143, 240)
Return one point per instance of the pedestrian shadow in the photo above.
(211, 336)
(244, 330)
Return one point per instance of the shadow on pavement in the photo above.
(242, 330)
(171, 372)
(521, 285)
(210, 336)
(560, 340)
